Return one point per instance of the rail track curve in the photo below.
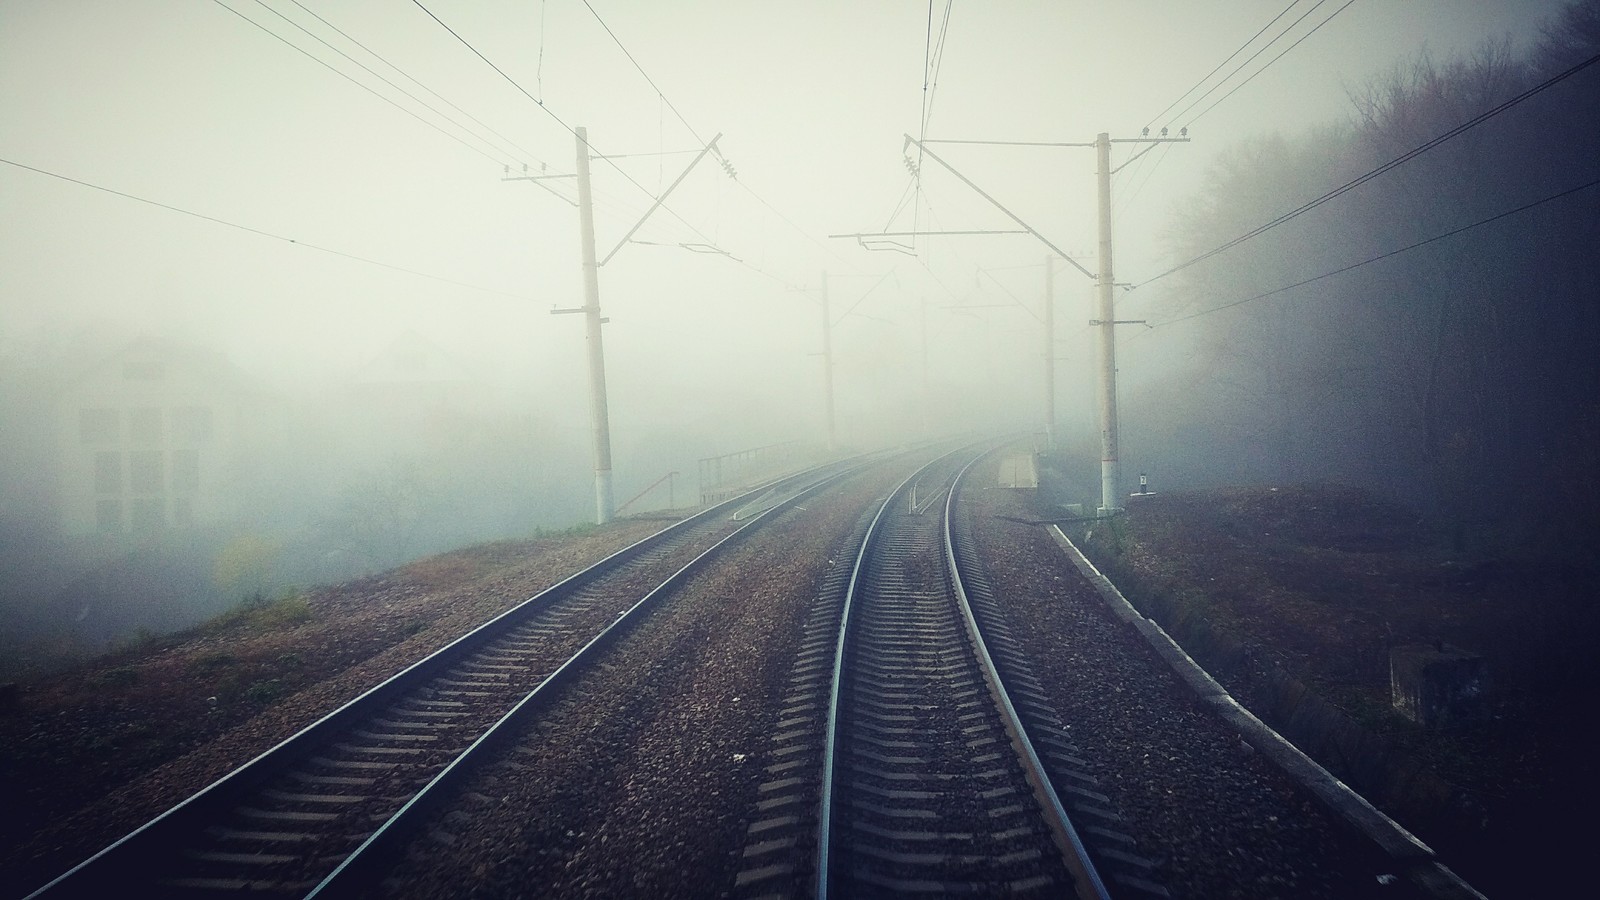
(930, 781)
(314, 815)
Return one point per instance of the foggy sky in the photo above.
(187, 104)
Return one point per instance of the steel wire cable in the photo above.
(1380, 170)
(1197, 84)
(1240, 67)
(1387, 254)
(261, 232)
(368, 88)
(1230, 93)
(411, 78)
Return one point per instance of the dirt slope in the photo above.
(95, 751)
(1320, 582)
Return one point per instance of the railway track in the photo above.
(317, 814)
(929, 783)
(916, 754)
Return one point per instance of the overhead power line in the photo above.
(726, 164)
(409, 77)
(1241, 48)
(258, 231)
(647, 78)
(1380, 170)
(1161, 158)
(1382, 256)
(1269, 63)
(1240, 67)
(560, 121)
(368, 88)
(706, 240)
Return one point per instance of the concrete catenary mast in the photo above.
(599, 417)
(1110, 495)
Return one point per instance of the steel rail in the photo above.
(1087, 879)
(105, 870)
(1070, 849)
(830, 739)
(359, 868)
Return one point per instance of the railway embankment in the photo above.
(1295, 599)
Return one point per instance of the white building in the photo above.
(150, 440)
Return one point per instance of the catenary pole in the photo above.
(827, 366)
(1049, 353)
(1107, 322)
(599, 416)
(1110, 495)
(927, 394)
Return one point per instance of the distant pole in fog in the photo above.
(600, 419)
(927, 395)
(1109, 475)
(1110, 495)
(827, 365)
(1049, 353)
(604, 505)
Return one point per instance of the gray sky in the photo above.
(186, 103)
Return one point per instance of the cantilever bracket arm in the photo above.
(539, 180)
(922, 145)
(662, 199)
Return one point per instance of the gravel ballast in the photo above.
(71, 788)
(1222, 820)
(640, 781)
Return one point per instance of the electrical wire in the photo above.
(260, 232)
(932, 62)
(409, 77)
(560, 121)
(1382, 256)
(864, 296)
(1268, 65)
(1128, 198)
(1014, 298)
(345, 75)
(1240, 67)
(1139, 187)
(1197, 84)
(1386, 167)
(661, 95)
(646, 75)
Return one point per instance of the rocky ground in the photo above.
(1316, 581)
(1321, 582)
(1220, 819)
(95, 751)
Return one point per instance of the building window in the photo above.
(191, 424)
(144, 472)
(108, 472)
(185, 471)
(108, 515)
(149, 514)
(98, 426)
(144, 425)
(182, 512)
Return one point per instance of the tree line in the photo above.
(1455, 361)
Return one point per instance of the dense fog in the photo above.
(1451, 362)
(276, 280)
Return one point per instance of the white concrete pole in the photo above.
(1049, 353)
(827, 365)
(599, 417)
(1110, 491)
(927, 393)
